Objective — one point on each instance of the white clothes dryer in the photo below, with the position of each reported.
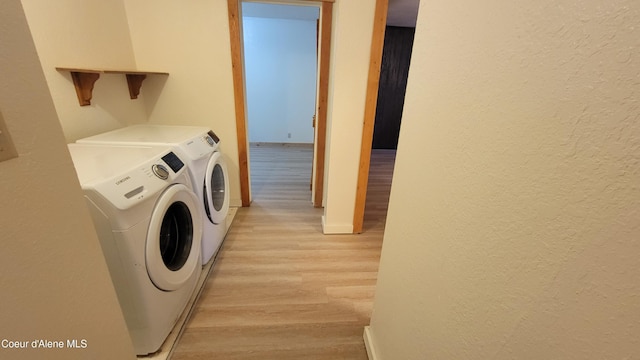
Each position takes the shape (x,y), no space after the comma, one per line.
(149,224)
(199,147)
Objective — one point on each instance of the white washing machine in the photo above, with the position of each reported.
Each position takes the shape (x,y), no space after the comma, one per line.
(149,224)
(198,146)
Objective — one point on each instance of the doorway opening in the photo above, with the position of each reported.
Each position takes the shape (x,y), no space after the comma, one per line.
(280,62)
(322,41)
(392,43)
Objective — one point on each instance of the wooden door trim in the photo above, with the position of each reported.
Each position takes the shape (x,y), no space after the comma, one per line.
(289,2)
(326,17)
(235,31)
(375,62)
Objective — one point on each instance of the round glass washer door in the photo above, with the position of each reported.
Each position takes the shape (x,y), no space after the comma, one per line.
(216,194)
(173,238)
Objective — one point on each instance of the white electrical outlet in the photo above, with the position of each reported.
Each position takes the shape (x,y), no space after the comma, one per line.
(7,149)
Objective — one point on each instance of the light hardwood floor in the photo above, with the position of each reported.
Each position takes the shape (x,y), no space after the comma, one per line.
(280,289)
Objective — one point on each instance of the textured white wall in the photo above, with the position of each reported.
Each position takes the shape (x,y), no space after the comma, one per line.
(350,53)
(86,34)
(514,220)
(280,69)
(55,283)
(190,40)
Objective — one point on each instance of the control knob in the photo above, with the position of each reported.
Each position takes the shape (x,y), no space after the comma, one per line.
(160,171)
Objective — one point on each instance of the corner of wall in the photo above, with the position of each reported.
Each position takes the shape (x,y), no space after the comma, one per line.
(372,354)
(350,55)
(335,228)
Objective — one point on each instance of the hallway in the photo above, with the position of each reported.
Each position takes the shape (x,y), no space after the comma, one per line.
(280,288)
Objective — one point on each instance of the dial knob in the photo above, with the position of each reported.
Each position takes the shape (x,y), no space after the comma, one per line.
(160,171)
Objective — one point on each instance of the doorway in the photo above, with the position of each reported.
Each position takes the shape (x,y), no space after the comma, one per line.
(396,56)
(279,43)
(317,120)
(400,18)
(280,62)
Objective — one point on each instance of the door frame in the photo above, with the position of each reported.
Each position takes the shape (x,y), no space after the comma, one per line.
(239,91)
(375,62)
(371,102)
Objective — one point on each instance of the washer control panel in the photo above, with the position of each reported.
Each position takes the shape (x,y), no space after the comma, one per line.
(160,171)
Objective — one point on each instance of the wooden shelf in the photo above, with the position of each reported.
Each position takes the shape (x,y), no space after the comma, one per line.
(84,80)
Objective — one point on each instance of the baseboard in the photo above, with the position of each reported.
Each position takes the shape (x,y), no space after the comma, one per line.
(235,202)
(229,219)
(336,228)
(369,345)
(283,144)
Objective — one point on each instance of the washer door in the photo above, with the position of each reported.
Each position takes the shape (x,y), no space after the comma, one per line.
(173,238)
(216,196)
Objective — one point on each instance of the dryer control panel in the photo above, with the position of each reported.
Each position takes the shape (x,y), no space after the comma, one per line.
(212,137)
(201,146)
(173,161)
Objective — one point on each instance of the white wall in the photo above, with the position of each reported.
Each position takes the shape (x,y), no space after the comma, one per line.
(280,68)
(86,34)
(55,283)
(350,53)
(513,227)
(190,40)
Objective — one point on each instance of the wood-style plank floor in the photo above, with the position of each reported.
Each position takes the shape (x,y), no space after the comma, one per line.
(280,289)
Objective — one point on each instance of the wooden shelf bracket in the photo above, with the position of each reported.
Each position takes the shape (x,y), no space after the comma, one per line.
(135,82)
(84,80)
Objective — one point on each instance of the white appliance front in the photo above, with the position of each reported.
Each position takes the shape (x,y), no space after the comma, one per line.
(198,146)
(149,224)
(170,252)
(216,196)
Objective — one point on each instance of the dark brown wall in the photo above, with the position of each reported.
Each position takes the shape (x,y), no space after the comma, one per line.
(396,56)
